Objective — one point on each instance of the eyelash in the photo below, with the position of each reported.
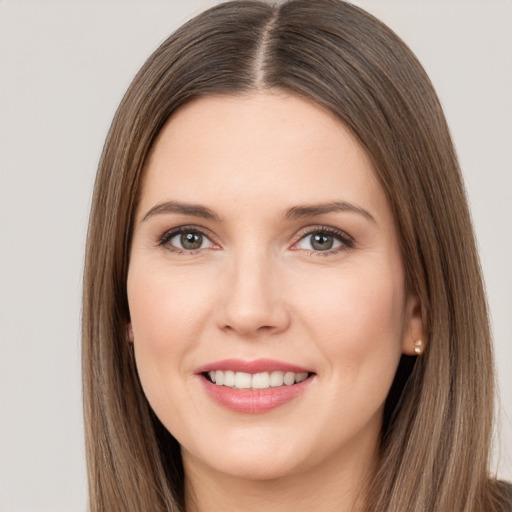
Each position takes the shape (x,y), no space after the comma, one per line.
(347,242)
(169,235)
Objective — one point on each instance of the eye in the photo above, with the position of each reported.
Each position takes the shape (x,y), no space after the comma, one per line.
(324,240)
(186,239)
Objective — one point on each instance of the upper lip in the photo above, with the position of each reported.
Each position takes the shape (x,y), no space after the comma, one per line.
(254,366)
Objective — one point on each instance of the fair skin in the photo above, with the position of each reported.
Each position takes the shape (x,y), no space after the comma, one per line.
(229,261)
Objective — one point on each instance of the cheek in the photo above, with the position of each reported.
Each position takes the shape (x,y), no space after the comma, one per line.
(357,319)
(358,328)
(165,305)
(168,311)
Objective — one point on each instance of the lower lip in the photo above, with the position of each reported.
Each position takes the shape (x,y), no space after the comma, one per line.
(254,401)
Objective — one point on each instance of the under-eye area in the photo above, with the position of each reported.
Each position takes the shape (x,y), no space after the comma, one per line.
(262,380)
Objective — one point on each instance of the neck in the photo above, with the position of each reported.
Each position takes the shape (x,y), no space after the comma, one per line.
(333,485)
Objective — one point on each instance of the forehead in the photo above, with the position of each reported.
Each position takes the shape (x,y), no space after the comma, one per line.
(266,145)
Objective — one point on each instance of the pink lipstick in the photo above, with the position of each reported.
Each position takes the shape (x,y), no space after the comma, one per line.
(253,387)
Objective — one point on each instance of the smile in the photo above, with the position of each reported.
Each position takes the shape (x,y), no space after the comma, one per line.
(254,387)
(263,380)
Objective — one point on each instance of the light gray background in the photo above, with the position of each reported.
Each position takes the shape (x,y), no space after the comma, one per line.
(64,66)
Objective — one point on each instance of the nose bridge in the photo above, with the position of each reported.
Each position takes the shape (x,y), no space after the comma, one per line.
(252,300)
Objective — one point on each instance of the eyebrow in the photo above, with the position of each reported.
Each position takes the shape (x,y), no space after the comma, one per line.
(312,210)
(296,212)
(194,210)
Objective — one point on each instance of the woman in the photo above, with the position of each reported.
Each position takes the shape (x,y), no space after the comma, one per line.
(283,306)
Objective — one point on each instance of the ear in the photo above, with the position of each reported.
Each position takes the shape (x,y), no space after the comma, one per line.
(129,329)
(413,341)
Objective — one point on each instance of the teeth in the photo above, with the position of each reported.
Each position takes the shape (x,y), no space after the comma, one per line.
(289,378)
(264,380)
(261,380)
(229,378)
(301,376)
(242,380)
(276,379)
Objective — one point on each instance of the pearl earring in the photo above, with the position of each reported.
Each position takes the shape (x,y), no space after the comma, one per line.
(418,347)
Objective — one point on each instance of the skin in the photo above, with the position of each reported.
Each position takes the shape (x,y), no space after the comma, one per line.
(257,288)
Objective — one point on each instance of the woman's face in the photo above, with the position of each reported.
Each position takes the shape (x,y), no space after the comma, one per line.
(264,253)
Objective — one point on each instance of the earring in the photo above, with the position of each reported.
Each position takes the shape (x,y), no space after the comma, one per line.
(418,347)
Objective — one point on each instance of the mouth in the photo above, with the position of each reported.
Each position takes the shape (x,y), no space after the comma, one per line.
(253,387)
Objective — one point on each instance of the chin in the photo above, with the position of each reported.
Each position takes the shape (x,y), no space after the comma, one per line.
(257,468)
(255,460)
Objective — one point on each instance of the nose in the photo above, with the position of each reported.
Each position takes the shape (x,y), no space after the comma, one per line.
(251,302)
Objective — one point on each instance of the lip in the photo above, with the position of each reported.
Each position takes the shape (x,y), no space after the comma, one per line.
(255,366)
(253,401)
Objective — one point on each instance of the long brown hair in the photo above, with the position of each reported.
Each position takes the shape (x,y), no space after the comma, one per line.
(438,419)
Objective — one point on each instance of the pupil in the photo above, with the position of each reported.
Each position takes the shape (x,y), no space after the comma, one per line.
(191,241)
(322,242)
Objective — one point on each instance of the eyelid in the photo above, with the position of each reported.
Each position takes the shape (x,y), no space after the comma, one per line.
(346,240)
(188,228)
